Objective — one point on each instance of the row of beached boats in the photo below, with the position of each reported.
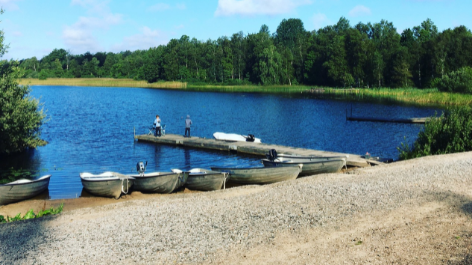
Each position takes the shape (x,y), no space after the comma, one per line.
(277,167)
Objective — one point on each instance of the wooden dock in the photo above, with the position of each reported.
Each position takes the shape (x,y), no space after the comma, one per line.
(259,149)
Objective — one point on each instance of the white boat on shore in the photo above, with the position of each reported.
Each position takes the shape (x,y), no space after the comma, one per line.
(233,137)
(107,184)
(205,179)
(23,189)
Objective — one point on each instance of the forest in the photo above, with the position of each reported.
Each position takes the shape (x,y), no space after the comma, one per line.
(340,55)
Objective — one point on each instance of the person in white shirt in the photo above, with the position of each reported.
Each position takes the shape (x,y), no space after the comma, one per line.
(157,125)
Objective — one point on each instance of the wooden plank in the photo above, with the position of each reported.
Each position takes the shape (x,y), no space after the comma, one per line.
(258,149)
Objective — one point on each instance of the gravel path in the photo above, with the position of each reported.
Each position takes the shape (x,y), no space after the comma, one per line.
(415,211)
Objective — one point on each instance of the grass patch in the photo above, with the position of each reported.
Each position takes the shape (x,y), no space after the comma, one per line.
(101,82)
(403,95)
(31,215)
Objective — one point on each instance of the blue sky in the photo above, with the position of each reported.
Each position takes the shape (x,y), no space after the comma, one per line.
(35,28)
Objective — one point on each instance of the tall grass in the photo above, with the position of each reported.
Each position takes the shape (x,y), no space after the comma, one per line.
(403,95)
(101,82)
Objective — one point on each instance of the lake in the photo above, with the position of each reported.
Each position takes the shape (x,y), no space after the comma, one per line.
(90,129)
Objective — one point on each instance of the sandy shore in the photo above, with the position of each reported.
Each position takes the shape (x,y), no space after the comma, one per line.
(415,212)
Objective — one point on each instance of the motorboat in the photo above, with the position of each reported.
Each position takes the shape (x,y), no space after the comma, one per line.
(156,182)
(233,137)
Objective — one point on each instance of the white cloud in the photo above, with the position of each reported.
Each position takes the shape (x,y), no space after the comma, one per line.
(80,36)
(159,7)
(9,5)
(17,33)
(181,6)
(359,10)
(146,39)
(257,7)
(320,20)
(93,6)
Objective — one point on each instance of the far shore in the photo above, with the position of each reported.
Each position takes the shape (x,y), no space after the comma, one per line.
(395,95)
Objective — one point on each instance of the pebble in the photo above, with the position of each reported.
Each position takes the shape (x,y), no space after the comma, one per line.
(201,227)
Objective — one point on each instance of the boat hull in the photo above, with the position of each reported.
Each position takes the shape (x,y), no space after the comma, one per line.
(156,182)
(232,137)
(107,184)
(18,190)
(263,175)
(310,167)
(205,180)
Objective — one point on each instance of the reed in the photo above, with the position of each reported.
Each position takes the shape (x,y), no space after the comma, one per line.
(403,95)
(101,82)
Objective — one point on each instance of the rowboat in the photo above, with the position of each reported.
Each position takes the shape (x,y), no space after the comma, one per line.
(306,157)
(23,189)
(233,137)
(157,182)
(205,179)
(274,156)
(260,175)
(310,167)
(107,184)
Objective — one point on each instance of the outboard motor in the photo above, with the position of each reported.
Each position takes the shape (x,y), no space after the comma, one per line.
(272,155)
(250,138)
(141,167)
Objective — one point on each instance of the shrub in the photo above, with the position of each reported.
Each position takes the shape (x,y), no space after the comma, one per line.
(450,133)
(20,119)
(457,81)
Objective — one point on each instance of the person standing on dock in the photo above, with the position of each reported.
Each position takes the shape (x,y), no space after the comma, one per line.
(188,122)
(157,124)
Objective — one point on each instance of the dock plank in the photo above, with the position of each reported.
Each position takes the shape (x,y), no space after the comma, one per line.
(258,149)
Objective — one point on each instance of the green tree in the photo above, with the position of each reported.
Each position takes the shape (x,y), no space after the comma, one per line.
(57,70)
(20,119)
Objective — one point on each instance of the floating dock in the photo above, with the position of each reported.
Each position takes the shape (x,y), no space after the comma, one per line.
(258,149)
(411,120)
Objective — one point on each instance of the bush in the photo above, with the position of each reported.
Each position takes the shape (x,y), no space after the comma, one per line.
(450,133)
(20,119)
(458,81)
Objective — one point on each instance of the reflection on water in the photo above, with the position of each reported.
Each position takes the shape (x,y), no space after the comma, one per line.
(90,129)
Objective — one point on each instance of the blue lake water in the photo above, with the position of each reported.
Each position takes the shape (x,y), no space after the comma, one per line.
(90,129)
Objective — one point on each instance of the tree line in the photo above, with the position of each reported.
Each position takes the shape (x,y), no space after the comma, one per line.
(340,55)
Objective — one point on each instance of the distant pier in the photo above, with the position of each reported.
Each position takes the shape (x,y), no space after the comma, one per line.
(373,119)
(259,149)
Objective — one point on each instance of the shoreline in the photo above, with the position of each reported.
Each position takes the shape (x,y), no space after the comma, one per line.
(410,96)
(416,211)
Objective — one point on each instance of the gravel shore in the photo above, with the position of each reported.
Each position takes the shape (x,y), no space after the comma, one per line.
(417,211)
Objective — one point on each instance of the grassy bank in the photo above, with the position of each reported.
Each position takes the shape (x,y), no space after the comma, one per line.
(101,82)
(403,95)
(398,95)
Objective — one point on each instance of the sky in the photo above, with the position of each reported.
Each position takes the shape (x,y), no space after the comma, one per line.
(36,27)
